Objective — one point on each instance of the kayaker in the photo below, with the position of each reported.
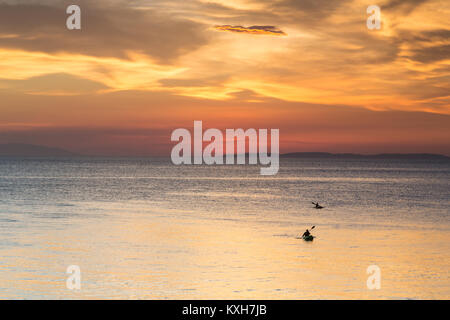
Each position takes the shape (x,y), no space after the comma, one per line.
(317,205)
(307,233)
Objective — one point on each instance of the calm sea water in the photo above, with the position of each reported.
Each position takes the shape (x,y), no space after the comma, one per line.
(145,229)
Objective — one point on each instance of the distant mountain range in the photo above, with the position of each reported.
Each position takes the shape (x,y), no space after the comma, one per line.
(31,150)
(401,156)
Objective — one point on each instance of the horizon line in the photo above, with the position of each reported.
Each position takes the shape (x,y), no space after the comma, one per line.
(69,153)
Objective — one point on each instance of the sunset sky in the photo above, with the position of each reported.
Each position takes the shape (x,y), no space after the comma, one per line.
(140,69)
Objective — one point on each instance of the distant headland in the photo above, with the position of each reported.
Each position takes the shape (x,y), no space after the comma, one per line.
(400,156)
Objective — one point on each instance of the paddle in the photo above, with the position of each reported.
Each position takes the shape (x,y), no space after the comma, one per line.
(311,228)
(317,206)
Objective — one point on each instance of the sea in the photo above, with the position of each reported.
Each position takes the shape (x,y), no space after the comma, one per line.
(143,228)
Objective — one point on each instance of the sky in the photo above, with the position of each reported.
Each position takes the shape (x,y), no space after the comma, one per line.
(137,70)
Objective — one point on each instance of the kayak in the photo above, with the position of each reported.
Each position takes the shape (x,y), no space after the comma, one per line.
(319,207)
(308,238)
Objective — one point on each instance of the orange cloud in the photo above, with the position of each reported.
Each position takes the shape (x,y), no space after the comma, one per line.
(268,30)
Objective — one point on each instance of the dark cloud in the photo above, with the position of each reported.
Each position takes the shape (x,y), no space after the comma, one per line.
(427,46)
(53,83)
(404,6)
(257,30)
(313,7)
(194,82)
(427,36)
(250,96)
(434,89)
(371,49)
(215,12)
(108,30)
(306,12)
(431,54)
